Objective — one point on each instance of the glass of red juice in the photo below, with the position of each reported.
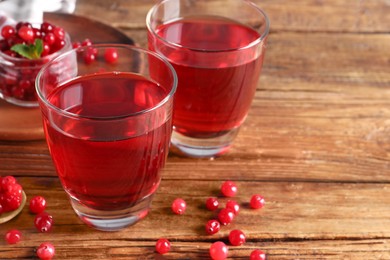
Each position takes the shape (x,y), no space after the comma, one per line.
(217,49)
(108,123)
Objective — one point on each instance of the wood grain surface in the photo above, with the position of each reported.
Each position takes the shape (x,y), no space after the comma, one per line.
(316,144)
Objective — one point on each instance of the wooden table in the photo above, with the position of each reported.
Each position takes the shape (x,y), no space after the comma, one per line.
(316,145)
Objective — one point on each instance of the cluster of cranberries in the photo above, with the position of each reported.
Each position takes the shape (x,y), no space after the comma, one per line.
(225,216)
(43,221)
(90,54)
(17,81)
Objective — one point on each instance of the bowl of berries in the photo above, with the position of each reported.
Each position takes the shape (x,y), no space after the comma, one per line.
(24,50)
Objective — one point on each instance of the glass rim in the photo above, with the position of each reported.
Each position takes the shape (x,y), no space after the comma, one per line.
(258,40)
(163,101)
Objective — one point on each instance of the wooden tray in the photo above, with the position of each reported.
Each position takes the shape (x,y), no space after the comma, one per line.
(22,124)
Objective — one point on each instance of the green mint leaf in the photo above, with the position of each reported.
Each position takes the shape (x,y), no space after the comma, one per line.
(29,51)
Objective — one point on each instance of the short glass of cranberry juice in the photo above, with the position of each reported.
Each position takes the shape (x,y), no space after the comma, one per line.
(108,121)
(217,49)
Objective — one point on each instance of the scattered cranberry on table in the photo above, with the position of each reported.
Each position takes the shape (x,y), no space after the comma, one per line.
(45,251)
(229,189)
(212,226)
(237,237)
(257,254)
(163,246)
(257,201)
(37,204)
(13,236)
(212,203)
(233,205)
(179,206)
(226,216)
(43,222)
(218,251)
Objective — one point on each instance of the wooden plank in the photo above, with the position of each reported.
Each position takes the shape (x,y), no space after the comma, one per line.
(301,15)
(300,219)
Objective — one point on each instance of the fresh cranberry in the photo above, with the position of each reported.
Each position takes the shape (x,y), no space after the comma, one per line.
(111,55)
(47,27)
(6,182)
(8,31)
(49,38)
(89,56)
(86,42)
(225,216)
(13,236)
(37,204)
(229,189)
(257,254)
(76,45)
(163,246)
(46,49)
(218,251)
(43,222)
(26,33)
(179,206)
(257,201)
(212,226)
(212,204)
(237,237)
(59,33)
(233,205)
(46,251)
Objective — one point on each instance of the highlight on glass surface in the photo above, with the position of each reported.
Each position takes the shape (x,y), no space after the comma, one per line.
(108,123)
(218,55)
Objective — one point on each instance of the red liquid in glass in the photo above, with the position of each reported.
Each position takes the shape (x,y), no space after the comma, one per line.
(97,165)
(217,81)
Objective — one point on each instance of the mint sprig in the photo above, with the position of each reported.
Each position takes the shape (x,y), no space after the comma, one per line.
(29,51)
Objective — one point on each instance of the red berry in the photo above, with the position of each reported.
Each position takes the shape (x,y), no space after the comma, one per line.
(226,216)
(26,33)
(49,38)
(8,31)
(257,254)
(212,226)
(257,201)
(75,45)
(13,236)
(6,181)
(37,204)
(43,222)
(218,251)
(86,42)
(46,251)
(212,204)
(59,33)
(236,237)
(46,27)
(163,246)
(233,205)
(89,56)
(179,206)
(111,55)
(229,189)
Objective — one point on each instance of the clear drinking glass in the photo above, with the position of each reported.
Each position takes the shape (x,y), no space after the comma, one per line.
(217,49)
(108,124)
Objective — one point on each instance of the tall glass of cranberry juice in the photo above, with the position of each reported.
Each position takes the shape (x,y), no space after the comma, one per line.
(217,50)
(108,124)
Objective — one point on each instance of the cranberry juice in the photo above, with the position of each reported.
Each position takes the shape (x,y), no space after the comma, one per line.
(113,162)
(217,72)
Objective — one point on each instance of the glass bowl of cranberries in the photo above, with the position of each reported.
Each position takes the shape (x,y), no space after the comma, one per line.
(24,49)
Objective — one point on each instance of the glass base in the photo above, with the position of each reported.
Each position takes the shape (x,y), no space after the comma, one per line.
(111,220)
(202,147)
